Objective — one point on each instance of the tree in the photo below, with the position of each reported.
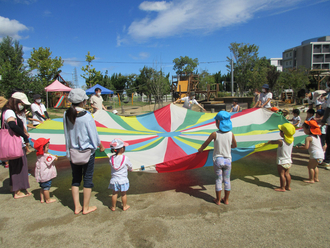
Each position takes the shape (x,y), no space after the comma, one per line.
(258,75)
(295,79)
(91,75)
(205,78)
(12,70)
(272,77)
(47,68)
(244,60)
(185,65)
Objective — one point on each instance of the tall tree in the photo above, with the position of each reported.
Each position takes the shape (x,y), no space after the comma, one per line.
(185,65)
(46,67)
(12,70)
(258,75)
(244,59)
(91,75)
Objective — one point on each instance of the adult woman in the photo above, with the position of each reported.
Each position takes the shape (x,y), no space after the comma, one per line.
(80,135)
(39,112)
(18,168)
(265,97)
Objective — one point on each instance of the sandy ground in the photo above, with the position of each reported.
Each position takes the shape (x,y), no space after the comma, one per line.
(175,209)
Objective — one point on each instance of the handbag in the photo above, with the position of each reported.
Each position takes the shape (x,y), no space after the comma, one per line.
(10,143)
(80,157)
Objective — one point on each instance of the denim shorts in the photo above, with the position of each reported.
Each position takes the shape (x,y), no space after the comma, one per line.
(46,185)
(119,187)
(85,172)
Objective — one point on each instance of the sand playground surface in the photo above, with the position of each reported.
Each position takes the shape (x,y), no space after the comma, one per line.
(175,209)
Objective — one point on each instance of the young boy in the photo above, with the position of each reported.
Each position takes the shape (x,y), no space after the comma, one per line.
(310,114)
(296,120)
(284,152)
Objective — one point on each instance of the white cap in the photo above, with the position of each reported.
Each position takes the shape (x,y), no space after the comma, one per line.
(117,143)
(77,96)
(21,96)
(114,112)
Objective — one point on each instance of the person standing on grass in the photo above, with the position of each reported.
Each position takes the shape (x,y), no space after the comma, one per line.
(284,152)
(97,101)
(81,134)
(224,140)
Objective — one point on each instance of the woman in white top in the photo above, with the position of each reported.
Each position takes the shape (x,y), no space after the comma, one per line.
(18,168)
(39,112)
(265,97)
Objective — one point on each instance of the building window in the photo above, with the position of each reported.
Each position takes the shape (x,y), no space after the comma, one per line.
(287,55)
(326,48)
(279,62)
(325,66)
(290,62)
(286,63)
(317,48)
(290,54)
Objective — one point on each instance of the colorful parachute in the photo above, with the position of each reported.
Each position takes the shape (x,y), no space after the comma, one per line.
(168,139)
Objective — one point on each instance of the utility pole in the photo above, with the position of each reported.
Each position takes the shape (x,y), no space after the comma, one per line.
(232,76)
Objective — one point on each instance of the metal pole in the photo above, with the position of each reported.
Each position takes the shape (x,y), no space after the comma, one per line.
(232,76)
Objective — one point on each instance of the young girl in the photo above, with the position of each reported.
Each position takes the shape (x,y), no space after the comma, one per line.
(235,107)
(119,166)
(284,152)
(313,144)
(224,140)
(45,169)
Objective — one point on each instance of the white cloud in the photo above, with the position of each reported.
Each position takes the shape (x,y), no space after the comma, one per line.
(47,13)
(11,28)
(72,61)
(141,56)
(183,16)
(27,49)
(154,6)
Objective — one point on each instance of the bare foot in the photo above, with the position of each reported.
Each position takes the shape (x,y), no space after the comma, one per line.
(308,181)
(288,189)
(89,210)
(279,190)
(51,200)
(112,208)
(21,195)
(216,201)
(316,180)
(78,210)
(126,207)
(223,201)
(42,201)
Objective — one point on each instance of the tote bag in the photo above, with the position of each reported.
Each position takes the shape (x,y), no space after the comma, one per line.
(10,143)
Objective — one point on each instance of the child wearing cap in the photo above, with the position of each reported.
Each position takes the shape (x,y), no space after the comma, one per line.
(224,140)
(45,169)
(119,166)
(189,101)
(235,107)
(313,144)
(284,152)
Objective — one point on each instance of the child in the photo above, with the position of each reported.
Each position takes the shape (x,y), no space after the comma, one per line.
(313,144)
(318,118)
(119,166)
(224,140)
(296,120)
(285,113)
(310,114)
(45,169)
(284,152)
(235,107)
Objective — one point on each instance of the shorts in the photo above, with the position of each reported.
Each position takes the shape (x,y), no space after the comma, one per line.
(286,166)
(119,187)
(46,185)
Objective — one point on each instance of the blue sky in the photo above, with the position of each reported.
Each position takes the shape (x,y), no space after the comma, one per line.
(126,35)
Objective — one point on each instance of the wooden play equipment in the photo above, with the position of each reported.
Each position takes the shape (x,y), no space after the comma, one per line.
(319,75)
(287,96)
(182,85)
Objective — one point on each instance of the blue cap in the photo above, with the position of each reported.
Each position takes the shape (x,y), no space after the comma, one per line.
(225,124)
(265,86)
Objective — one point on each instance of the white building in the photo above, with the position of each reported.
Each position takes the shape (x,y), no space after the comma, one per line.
(276,62)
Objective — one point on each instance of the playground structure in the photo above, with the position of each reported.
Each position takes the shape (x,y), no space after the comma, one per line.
(60,89)
(182,85)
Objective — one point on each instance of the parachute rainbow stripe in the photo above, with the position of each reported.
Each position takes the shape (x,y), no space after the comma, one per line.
(168,139)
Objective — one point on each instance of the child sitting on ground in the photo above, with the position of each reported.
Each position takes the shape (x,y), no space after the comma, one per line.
(284,152)
(296,120)
(310,114)
(224,140)
(235,107)
(45,169)
(119,166)
(313,144)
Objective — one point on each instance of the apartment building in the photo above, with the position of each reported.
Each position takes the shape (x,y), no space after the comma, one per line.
(312,54)
(276,62)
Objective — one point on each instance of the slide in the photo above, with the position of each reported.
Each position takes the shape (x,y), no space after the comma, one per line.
(59,102)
